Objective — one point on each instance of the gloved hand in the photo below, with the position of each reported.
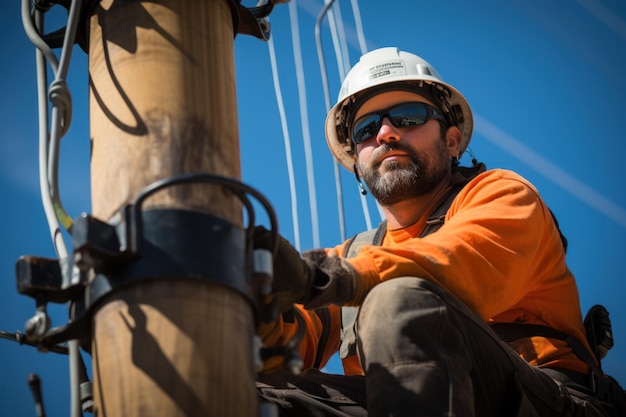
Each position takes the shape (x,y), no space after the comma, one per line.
(293,277)
(334,280)
(314,279)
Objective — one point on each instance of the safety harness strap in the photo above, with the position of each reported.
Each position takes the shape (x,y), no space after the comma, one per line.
(510,332)
(349,313)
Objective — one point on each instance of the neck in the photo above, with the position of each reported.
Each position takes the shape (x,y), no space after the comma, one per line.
(407,212)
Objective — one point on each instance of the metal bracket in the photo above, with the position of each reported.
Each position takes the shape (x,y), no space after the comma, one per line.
(49,280)
(246,20)
(172,244)
(139,245)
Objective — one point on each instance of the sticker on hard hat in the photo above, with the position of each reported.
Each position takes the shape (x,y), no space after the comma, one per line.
(389,68)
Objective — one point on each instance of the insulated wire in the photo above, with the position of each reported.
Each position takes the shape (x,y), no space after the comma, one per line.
(341,35)
(337,42)
(322,62)
(306,135)
(61,118)
(32,31)
(335,38)
(62,111)
(48,146)
(74,361)
(42,51)
(287,141)
(358,23)
(341,38)
(42,54)
(53,224)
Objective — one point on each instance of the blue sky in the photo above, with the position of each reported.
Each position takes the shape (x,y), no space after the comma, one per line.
(544,79)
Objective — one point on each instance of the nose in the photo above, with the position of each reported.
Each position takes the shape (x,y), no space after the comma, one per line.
(387,132)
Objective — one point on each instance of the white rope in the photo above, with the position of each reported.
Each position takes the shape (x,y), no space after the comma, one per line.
(287,141)
(306,137)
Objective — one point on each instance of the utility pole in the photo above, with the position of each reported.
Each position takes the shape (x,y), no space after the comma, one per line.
(164,285)
(163,104)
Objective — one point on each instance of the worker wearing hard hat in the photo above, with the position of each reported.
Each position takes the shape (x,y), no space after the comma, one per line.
(462,302)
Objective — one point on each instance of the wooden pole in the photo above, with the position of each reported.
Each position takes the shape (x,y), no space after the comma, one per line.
(163,103)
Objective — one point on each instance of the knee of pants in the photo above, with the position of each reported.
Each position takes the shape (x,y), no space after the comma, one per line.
(400,308)
(390,298)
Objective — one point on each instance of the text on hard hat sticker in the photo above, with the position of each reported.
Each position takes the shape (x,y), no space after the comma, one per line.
(388,68)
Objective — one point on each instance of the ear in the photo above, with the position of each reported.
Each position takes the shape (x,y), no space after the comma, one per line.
(453,141)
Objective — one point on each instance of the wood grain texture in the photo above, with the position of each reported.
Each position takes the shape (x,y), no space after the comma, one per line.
(163,103)
(160,352)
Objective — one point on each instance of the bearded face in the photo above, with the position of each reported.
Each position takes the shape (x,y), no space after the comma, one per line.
(393,181)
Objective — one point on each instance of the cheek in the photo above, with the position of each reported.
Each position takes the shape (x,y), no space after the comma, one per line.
(364,150)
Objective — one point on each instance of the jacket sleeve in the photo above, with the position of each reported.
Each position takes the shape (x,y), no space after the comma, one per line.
(498,241)
(320,341)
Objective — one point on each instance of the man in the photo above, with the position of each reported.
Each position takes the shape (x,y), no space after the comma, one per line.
(431,302)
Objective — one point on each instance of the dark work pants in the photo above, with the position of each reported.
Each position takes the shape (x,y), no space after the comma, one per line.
(425,354)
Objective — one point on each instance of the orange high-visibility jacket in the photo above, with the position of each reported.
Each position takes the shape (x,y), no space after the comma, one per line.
(499,251)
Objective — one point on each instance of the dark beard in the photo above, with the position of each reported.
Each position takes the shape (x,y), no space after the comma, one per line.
(422,174)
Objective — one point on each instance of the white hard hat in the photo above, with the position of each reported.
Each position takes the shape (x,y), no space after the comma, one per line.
(387,69)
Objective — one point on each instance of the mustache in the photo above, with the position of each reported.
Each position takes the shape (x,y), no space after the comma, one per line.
(381,152)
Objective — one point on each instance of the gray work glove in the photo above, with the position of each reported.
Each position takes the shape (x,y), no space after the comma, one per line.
(334,280)
(313,279)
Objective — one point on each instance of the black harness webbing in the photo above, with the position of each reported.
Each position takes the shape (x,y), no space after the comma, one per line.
(510,332)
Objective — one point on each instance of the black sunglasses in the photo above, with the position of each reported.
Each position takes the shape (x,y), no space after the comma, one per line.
(414,113)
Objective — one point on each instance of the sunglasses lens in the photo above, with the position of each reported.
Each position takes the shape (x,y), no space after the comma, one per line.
(402,115)
(408,115)
(365,128)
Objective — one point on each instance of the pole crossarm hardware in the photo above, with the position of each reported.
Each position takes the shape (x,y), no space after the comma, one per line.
(137,246)
(146,245)
(246,20)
